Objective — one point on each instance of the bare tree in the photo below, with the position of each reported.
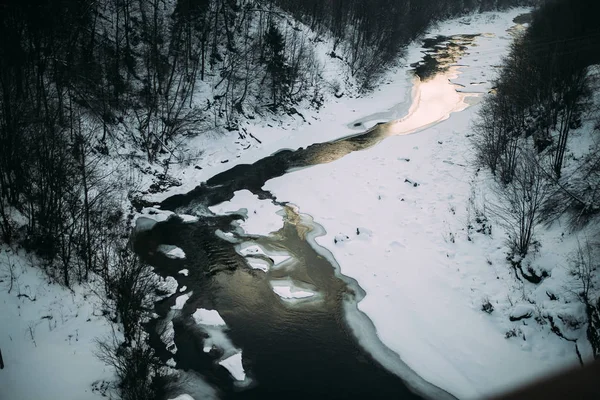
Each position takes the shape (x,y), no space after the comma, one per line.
(584,269)
(520,202)
(131,285)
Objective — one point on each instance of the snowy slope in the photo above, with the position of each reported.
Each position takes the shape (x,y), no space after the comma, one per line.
(47,336)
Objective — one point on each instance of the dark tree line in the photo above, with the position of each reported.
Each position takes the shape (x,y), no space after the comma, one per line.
(371,35)
(543,94)
(79,77)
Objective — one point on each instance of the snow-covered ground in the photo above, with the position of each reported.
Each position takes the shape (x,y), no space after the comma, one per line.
(47,336)
(403,209)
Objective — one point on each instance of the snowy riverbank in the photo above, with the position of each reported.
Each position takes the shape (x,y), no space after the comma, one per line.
(397,219)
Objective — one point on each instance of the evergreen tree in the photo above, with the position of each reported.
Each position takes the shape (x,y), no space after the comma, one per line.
(276,62)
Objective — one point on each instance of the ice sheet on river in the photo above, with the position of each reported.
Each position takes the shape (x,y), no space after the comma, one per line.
(233,364)
(180,301)
(290,291)
(170,251)
(257,256)
(258,263)
(262,216)
(213,325)
(202,316)
(423,279)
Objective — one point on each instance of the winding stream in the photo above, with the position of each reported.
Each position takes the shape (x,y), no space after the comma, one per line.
(303,348)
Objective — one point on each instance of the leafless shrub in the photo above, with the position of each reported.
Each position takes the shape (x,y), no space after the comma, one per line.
(130,286)
(584,268)
(135,366)
(578,194)
(519,206)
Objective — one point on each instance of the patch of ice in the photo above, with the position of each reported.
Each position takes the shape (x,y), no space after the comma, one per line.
(156,214)
(180,301)
(258,263)
(143,224)
(203,316)
(233,364)
(250,248)
(278,260)
(262,216)
(148,217)
(173,252)
(227,236)
(188,219)
(184,272)
(287,290)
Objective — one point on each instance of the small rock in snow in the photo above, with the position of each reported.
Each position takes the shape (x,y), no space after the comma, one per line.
(415,184)
(341,238)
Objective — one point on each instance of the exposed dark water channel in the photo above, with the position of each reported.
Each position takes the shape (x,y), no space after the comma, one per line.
(292,349)
(301,349)
(440,53)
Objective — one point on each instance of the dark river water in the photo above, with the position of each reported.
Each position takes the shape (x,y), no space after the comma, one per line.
(299,349)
